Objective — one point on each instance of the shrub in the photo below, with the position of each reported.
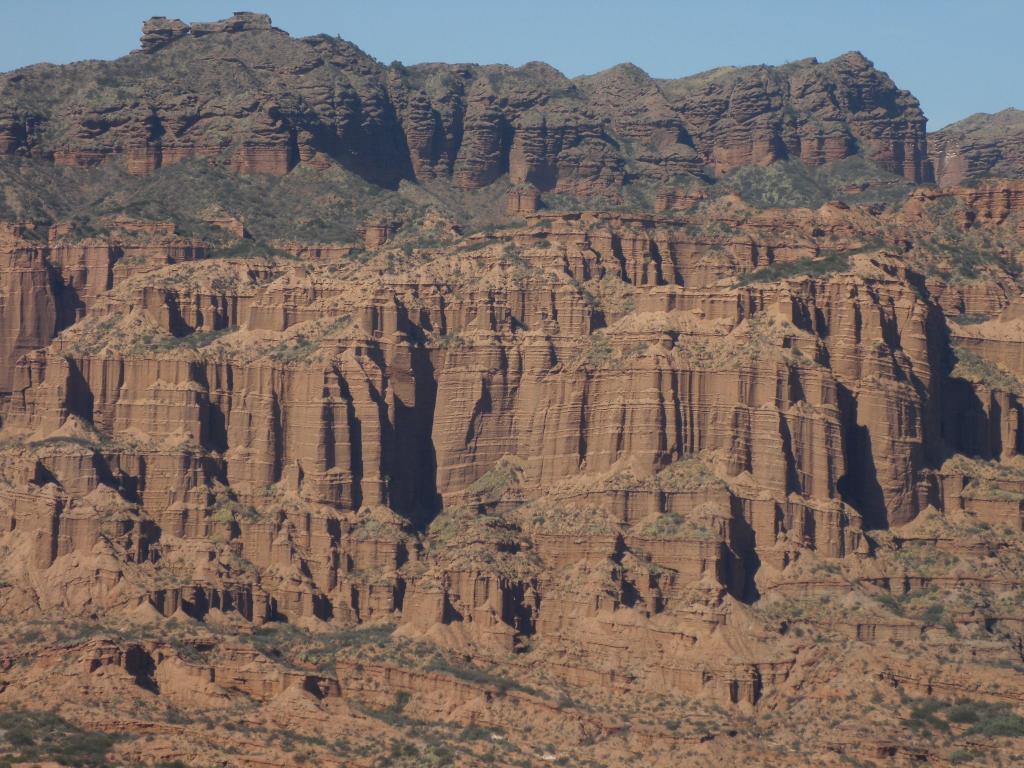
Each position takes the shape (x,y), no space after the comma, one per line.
(780,270)
(974,319)
(973,367)
(986,718)
(960,756)
(963,712)
(503,475)
(924,714)
(45,736)
(479,676)
(933,614)
(1000,723)
(600,351)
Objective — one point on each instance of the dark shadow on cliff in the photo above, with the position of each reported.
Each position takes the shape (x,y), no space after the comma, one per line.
(413,484)
(741,562)
(859,487)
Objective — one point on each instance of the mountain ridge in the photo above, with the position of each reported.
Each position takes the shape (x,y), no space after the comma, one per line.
(467,123)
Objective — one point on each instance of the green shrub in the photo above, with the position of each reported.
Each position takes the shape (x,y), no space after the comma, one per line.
(961,756)
(479,676)
(780,270)
(505,473)
(963,712)
(991,719)
(972,367)
(933,614)
(1001,722)
(971,319)
(45,736)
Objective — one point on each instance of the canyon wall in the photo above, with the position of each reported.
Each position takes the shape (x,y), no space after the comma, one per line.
(328,102)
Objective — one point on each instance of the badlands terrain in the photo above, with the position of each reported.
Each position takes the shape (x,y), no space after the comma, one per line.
(379,415)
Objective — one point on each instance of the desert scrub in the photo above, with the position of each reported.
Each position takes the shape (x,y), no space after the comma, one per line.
(611,295)
(78,442)
(465,524)
(792,184)
(975,718)
(297,349)
(760,337)
(830,263)
(687,475)
(449,341)
(984,472)
(29,736)
(675,527)
(226,510)
(249,249)
(291,644)
(506,472)
(598,352)
(971,319)
(474,675)
(378,524)
(922,558)
(337,324)
(972,367)
(194,340)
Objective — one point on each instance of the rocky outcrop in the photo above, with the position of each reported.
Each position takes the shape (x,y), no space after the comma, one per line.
(240,21)
(469,124)
(812,111)
(982,145)
(53,277)
(159,31)
(414,448)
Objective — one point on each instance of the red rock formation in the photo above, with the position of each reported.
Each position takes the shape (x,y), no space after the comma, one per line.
(583,484)
(468,123)
(979,146)
(521,200)
(159,31)
(736,115)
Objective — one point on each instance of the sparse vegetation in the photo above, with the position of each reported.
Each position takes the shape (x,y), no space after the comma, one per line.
(31,736)
(791,184)
(507,472)
(975,718)
(473,675)
(975,368)
(781,270)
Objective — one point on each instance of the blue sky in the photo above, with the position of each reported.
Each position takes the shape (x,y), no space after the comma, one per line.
(956,57)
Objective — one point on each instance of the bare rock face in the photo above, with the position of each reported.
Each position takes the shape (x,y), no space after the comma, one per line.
(240,21)
(522,199)
(981,145)
(354,414)
(816,112)
(159,31)
(330,103)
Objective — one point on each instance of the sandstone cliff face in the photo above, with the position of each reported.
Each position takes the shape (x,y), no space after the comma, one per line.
(979,146)
(815,112)
(814,404)
(822,394)
(52,277)
(328,102)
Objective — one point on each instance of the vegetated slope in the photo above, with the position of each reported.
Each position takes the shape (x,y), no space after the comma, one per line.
(355,441)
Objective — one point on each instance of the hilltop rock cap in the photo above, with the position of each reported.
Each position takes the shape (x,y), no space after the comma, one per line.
(241,21)
(159,31)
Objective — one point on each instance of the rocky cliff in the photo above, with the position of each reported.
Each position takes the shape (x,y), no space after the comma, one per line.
(473,415)
(978,147)
(252,97)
